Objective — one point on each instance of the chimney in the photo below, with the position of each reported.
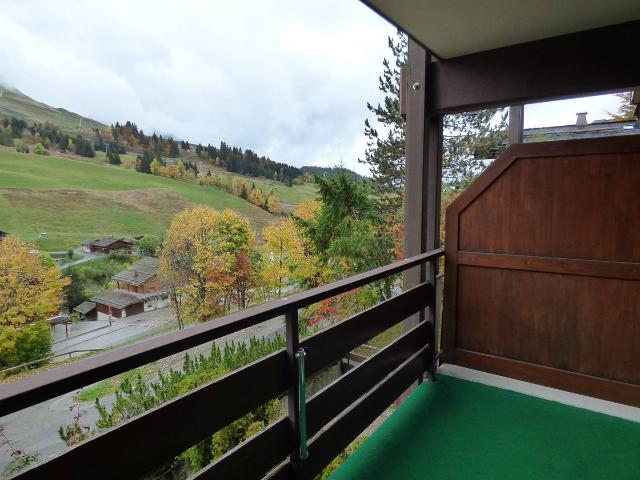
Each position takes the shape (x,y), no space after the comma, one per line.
(581,118)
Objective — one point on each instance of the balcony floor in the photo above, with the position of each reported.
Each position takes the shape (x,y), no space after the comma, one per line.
(458,429)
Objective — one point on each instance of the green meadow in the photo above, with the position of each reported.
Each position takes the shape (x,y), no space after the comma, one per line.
(74,200)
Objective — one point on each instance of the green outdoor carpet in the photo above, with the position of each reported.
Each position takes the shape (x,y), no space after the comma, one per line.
(456,429)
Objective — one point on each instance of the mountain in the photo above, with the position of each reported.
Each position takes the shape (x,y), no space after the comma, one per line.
(14,103)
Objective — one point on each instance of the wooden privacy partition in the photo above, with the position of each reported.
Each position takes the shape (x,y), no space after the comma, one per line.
(542,278)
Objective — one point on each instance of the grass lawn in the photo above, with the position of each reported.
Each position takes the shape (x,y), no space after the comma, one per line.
(380,341)
(105,387)
(96,274)
(75,200)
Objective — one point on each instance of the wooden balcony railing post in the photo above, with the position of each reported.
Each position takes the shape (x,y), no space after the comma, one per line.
(293,394)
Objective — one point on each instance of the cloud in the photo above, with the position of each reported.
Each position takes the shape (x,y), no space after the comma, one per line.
(288,79)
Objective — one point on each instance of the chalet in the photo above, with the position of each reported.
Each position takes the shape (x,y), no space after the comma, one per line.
(110,244)
(582,129)
(137,290)
(576,131)
(141,277)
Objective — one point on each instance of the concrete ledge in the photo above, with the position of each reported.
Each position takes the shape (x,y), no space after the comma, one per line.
(581,401)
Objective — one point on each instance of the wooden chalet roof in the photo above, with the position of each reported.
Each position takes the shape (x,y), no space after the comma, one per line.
(140,272)
(599,128)
(85,307)
(119,298)
(105,242)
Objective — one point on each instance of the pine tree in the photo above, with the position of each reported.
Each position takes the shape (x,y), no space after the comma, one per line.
(143,162)
(468,137)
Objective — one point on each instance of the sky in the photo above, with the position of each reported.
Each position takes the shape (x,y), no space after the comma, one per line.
(289,79)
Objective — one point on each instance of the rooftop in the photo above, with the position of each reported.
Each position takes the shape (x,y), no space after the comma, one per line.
(105,242)
(85,307)
(598,128)
(119,298)
(140,272)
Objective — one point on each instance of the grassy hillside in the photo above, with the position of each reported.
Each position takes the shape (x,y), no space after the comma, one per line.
(14,103)
(73,200)
(289,196)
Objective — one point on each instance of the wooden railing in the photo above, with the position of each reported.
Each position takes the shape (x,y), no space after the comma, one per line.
(335,416)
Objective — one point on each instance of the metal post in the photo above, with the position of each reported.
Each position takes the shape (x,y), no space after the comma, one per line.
(302,404)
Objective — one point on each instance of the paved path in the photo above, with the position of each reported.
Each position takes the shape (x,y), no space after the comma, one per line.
(86,257)
(99,335)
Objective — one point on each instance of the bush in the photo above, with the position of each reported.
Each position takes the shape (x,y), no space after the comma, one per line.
(39,149)
(113,157)
(129,163)
(84,147)
(21,147)
(31,342)
(149,246)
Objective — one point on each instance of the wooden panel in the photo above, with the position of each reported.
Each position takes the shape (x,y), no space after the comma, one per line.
(552,377)
(587,325)
(572,266)
(555,207)
(543,268)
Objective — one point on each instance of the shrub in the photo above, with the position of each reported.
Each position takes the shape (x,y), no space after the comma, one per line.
(84,147)
(32,342)
(129,163)
(149,246)
(113,158)
(21,147)
(39,149)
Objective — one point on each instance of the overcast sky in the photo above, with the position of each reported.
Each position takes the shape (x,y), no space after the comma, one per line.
(288,78)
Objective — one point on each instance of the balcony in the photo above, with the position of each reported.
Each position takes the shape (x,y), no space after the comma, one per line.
(542,293)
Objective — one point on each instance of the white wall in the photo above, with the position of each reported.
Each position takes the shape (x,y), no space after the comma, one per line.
(155,303)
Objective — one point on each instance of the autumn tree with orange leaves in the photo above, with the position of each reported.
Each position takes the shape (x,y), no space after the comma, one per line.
(30,293)
(197,262)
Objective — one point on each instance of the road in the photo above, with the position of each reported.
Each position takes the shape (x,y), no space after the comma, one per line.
(99,335)
(86,257)
(35,429)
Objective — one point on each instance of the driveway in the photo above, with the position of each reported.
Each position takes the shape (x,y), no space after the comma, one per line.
(86,257)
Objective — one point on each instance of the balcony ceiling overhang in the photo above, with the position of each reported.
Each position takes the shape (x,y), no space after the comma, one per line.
(455,28)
